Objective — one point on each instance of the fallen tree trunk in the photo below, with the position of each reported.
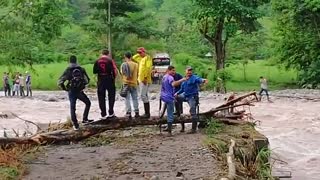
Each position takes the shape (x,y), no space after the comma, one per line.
(123,122)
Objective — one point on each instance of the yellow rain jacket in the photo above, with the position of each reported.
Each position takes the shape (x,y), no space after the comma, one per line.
(145,67)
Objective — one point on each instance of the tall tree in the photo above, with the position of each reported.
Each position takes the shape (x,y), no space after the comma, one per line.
(27,27)
(219,20)
(126,18)
(298,37)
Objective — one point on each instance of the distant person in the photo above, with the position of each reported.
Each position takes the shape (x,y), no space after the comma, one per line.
(28,84)
(6,84)
(129,72)
(77,79)
(22,85)
(144,77)
(167,94)
(16,85)
(264,88)
(189,92)
(106,71)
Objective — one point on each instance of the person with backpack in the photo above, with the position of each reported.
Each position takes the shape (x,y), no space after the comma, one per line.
(129,72)
(77,79)
(106,70)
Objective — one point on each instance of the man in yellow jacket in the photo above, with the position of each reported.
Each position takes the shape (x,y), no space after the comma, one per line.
(144,77)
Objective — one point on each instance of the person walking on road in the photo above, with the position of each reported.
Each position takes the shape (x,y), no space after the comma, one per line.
(77,79)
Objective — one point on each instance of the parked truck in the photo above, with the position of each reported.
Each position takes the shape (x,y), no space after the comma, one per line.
(160,62)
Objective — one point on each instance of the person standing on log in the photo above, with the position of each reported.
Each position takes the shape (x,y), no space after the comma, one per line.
(144,77)
(178,104)
(189,92)
(264,88)
(129,72)
(77,79)
(106,70)
(167,94)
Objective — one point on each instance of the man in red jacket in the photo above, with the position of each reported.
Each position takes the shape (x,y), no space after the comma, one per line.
(106,70)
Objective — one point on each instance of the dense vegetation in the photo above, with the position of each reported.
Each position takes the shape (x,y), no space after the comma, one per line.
(246,39)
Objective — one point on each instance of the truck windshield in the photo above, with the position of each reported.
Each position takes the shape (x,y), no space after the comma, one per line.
(161,62)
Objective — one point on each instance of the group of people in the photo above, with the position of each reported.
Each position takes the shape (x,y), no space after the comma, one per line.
(17,85)
(106,71)
(135,71)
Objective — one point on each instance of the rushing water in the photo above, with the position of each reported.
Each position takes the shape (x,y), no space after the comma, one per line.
(291,125)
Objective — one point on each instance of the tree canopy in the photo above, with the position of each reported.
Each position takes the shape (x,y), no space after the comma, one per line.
(41,31)
(298,32)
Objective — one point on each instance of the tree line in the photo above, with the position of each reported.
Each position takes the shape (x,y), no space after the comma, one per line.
(285,32)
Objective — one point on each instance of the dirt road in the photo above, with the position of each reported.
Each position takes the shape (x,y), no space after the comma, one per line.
(134,158)
(291,124)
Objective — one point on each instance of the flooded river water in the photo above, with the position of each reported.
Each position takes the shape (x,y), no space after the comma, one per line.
(292,125)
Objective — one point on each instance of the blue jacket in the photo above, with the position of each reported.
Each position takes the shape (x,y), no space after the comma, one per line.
(190,87)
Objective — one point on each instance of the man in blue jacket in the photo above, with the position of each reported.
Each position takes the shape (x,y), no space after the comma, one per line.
(189,92)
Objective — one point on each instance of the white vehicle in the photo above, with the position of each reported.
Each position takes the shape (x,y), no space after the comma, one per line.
(160,62)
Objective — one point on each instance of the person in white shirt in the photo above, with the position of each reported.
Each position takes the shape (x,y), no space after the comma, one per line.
(264,87)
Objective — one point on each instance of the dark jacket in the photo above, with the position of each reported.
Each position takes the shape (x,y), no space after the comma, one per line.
(105,68)
(67,75)
(177,77)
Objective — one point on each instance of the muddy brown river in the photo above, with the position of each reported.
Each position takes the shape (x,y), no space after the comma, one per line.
(292,125)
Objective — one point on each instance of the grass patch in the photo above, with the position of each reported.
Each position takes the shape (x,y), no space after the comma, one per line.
(279,78)
(214,127)
(13,158)
(250,164)
(45,76)
(98,140)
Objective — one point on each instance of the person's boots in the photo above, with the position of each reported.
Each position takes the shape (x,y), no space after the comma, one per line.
(128,115)
(182,127)
(146,110)
(194,128)
(169,129)
(136,115)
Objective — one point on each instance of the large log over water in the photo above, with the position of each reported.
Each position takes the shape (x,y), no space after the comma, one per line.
(123,122)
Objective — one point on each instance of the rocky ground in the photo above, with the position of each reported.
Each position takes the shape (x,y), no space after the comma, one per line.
(291,123)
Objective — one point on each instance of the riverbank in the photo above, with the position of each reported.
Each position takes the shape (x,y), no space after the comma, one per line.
(291,122)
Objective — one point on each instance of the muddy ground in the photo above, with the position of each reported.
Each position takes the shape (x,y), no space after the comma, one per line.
(135,157)
(291,123)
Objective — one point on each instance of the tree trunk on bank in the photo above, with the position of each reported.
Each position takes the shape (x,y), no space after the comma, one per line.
(219,45)
(97,127)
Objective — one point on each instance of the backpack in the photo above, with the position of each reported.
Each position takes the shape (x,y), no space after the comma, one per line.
(77,81)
